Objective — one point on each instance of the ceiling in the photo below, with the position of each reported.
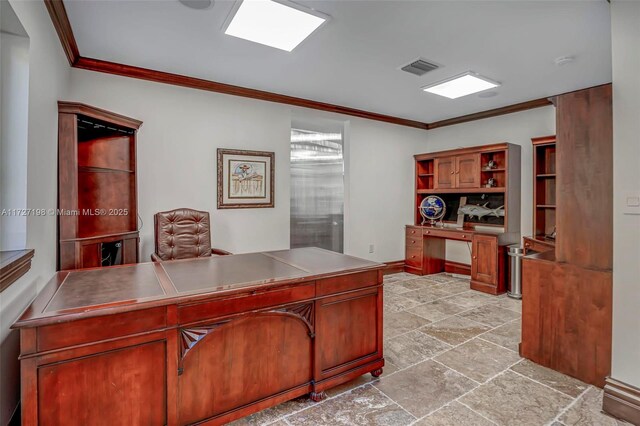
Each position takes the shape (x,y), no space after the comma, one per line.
(353,60)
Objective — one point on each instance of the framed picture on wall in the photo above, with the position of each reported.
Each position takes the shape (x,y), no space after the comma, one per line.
(245,179)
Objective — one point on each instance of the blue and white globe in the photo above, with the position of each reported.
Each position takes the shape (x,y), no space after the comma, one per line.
(432,208)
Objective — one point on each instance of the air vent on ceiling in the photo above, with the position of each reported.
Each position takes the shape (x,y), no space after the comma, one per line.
(419,67)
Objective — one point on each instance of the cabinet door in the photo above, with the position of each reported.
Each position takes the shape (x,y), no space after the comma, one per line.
(484,259)
(348,331)
(444,173)
(467,171)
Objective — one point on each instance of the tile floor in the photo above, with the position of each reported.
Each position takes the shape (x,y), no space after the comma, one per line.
(451,359)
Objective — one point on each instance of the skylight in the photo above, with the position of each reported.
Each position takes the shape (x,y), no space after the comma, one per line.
(461,85)
(278,24)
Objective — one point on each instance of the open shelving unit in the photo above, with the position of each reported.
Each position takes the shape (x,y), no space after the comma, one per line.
(544,187)
(97,183)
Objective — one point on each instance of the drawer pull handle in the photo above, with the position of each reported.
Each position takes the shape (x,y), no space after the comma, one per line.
(464,236)
(428,232)
(475,257)
(413,257)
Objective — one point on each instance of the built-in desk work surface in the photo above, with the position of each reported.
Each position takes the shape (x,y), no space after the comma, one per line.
(203,341)
(425,253)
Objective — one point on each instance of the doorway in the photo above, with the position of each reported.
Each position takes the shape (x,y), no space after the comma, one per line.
(317,187)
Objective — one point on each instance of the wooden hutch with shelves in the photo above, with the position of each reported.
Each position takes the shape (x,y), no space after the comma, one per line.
(567,288)
(544,195)
(97,197)
(484,175)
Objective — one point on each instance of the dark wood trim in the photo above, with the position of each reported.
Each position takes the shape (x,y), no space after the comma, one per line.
(457,268)
(13,265)
(621,400)
(61,23)
(522,106)
(228,89)
(393,267)
(98,113)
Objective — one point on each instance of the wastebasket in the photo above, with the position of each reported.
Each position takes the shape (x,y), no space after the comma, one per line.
(515,271)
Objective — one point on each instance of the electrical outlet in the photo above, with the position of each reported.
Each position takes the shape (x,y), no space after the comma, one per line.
(372,248)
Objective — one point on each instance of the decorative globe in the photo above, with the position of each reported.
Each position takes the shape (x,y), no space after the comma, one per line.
(432,208)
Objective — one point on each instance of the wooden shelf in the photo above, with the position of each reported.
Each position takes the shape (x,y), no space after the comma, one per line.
(500,169)
(546,175)
(89,169)
(460,190)
(425,174)
(546,206)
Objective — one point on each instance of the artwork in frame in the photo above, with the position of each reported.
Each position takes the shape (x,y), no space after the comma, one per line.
(245,179)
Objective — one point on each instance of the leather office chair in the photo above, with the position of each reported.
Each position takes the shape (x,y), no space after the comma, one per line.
(183,234)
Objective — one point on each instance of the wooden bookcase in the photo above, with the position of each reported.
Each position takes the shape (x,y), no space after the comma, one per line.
(467,171)
(97,197)
(544,187)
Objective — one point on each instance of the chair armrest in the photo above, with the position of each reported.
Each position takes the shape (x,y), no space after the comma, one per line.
(219,252)
(155,258)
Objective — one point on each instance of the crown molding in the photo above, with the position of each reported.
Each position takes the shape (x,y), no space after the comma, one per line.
(61,23)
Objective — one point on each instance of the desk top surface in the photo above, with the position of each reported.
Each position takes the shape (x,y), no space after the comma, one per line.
(90,292)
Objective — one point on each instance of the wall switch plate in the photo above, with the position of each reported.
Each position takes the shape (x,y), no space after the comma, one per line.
(371,248)
(632,203)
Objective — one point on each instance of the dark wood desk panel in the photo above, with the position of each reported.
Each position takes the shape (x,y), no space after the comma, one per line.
(99,287)
(262,335)
(224,273)
(319,261)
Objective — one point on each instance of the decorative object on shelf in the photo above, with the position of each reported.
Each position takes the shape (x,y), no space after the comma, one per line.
(491,165)
(245,179)
(480,211)
(432,208)
(491,182)
(552,235)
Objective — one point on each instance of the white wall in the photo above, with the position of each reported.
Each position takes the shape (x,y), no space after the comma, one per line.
(48,82)
(625,16)
(14,86)
(182,128)
(517,129)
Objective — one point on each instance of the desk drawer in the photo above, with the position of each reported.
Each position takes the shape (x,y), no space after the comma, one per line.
(413,243)
(450,235)
(346,282)
(413,257)
(413,232)
(244,302)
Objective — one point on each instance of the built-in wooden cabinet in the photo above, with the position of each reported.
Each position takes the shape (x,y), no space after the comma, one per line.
(484,174)
(97,196)
(445,169)
(567,292)
(488,176)
(487,264)
(544,188)
(467,171)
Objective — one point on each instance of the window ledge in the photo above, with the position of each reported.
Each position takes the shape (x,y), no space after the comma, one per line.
(13,265)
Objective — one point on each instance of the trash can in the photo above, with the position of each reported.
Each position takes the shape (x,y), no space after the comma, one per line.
(515,271)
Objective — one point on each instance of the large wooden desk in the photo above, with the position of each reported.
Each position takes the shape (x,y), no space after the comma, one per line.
(207,340)
(425,254)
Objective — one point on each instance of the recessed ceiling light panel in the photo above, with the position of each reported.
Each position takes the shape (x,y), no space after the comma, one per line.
(461,85)
(280,24)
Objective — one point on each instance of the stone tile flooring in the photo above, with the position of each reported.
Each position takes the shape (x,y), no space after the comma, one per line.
(451,359)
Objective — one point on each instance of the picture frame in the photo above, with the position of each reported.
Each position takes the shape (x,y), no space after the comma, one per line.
(246,179)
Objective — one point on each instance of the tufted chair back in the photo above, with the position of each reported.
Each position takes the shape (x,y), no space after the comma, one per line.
(182,234)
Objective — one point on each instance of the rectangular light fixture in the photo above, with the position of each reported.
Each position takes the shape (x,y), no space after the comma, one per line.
(461,85)
(280,24)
